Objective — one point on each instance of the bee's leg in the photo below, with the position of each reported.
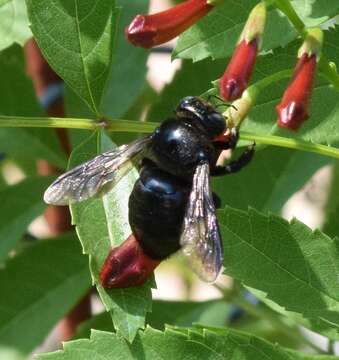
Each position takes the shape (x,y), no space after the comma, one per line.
(236,165)
(231,143)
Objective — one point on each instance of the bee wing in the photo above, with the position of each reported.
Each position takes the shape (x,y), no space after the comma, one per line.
(200,238)
(94,176)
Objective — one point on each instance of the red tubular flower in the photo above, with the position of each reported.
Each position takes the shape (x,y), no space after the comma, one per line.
(293,108)
(126,265)
(151,30)
(239,70)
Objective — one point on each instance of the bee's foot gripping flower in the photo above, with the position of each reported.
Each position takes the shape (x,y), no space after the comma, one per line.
(293,108)
(151,30)
(239,70)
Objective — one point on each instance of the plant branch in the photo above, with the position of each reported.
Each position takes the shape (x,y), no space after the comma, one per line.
(257,87)
(286,7)
(130,126)
(76,123)
(291,143)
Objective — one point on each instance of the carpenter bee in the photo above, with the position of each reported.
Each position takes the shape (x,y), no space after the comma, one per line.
(171,205)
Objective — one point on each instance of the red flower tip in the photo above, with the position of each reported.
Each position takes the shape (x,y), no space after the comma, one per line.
(292,115)
(151,30)
(126,265)
(139,33)
(293,108)
(239,70)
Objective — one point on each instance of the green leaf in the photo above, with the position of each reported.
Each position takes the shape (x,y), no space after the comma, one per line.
(3,182)
(77,38)
(41,285)
(265,329)
(186,313)
(178,313)
(216,34)
(316,324)
(18,98)
(330,41)
(101,224)
(143,103)
(124,76)
(13,23)
(232,344)
(278,174)
(316,12)
(27,198)
(294,266)
(209,344)
(27,165)
(127,77)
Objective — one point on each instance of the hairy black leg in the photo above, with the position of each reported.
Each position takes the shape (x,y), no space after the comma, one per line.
(236,165)
(235,137)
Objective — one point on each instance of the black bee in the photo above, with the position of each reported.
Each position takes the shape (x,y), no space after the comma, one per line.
(171,205)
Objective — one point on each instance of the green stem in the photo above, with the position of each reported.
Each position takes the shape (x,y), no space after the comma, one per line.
(130,126)
(44,122)
(325,66)
(257,87)
(75,123)
(286,7)
(291,144)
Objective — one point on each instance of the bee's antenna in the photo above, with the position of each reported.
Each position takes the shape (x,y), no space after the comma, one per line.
(224,103)
(215,96)
(219,98)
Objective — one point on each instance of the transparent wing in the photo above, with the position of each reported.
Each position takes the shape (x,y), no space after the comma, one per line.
(200,238)
(94,176)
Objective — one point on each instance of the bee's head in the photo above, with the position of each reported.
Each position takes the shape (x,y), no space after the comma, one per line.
(197,109)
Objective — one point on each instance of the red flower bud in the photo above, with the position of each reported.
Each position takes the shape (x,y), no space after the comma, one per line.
(293,108)
(126,265)
(239,70)
(151,30)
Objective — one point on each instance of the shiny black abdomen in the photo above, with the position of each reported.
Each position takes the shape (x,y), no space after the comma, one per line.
(178,147)
(156,210)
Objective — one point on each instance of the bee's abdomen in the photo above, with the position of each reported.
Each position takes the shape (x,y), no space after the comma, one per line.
(156,211)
